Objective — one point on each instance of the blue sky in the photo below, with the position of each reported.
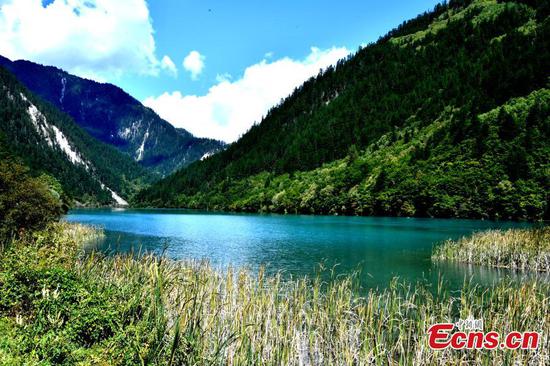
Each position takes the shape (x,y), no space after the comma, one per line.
(242,56)
(236,34)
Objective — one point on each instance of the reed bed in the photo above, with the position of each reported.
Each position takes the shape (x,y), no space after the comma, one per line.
(151,310)
(521,249)
(234,318)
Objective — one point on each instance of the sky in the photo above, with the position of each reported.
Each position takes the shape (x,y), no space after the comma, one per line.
(211,67)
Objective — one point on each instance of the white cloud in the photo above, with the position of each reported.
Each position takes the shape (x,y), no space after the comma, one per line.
(194,63)
(98,38)
(230,108)
(167,64)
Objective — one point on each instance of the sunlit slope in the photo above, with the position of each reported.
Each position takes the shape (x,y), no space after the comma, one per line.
(418,108)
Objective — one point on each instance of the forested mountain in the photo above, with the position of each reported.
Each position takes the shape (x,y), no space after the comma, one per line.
(35,133)
(112,116)
(445,116)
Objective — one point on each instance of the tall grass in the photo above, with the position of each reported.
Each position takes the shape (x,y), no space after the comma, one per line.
(236,318)
(152,310)
(524,249)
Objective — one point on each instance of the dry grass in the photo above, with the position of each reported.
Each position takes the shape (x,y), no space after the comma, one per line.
(524,249)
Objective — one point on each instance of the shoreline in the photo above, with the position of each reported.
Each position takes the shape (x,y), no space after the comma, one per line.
(268,213)
(120,309)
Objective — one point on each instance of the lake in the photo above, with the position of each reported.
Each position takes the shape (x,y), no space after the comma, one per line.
(380,247)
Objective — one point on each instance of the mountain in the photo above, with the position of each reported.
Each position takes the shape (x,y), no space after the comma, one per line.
(50,142)
(112,116)
(445,116)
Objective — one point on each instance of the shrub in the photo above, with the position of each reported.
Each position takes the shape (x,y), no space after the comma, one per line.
(26,203)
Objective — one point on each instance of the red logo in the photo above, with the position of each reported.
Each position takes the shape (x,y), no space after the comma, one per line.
(442,335)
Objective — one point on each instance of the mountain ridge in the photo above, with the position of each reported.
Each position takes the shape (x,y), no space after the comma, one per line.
(463,59)
(48,141)
(112,116)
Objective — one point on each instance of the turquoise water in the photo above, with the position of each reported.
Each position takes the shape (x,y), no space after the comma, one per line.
(381,248)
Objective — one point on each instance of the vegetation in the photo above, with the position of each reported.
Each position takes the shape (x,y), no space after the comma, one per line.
(525,249)
(434,119)
(445,125)
(26,203)
(20,139)
(450,168)
(61,307)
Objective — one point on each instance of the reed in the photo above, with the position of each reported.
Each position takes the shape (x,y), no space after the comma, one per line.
(210,317)
(522,249)
(151,310)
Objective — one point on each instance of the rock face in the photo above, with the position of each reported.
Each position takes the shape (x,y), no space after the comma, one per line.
(112,116)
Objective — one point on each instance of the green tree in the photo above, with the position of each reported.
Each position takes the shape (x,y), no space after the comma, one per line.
(26,203)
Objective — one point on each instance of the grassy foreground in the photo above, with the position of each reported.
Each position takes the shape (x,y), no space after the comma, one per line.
(525,249)
(59,306)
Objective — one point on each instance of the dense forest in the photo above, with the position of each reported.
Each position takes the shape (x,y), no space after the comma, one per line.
(494,166)
(37,146)
(445,116)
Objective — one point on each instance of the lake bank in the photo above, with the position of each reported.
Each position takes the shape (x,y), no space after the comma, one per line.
(63,306)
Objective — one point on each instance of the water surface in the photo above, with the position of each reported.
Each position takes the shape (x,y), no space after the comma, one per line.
(380,247)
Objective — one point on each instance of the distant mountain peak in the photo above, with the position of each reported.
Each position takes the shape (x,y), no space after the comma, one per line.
(48,141)
(112,116)
(55,138)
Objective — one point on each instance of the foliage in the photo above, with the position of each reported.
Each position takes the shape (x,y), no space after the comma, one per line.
(525,249)
(437,74)
(26,203)
(491,165)
(60,307)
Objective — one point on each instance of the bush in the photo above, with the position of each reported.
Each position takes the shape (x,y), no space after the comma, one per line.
(26,203)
